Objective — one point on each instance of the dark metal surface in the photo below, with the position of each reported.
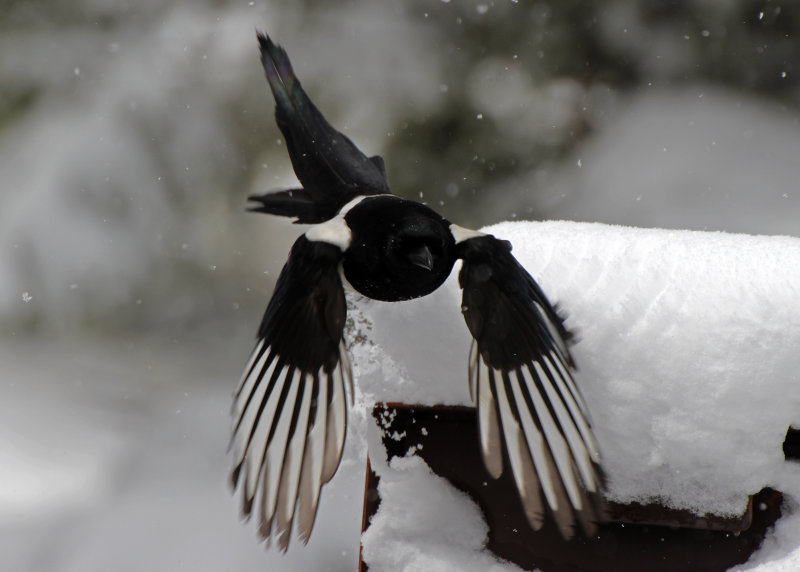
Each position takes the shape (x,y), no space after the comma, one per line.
(791,445)
(639,537)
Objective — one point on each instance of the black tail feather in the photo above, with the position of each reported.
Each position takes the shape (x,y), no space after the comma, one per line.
(292,203)
(331,169)
(284,84)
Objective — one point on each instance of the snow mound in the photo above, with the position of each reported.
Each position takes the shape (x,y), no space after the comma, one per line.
(687,354)
(450,540)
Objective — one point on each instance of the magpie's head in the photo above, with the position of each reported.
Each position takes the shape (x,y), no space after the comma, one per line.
(415,248)
(400,249)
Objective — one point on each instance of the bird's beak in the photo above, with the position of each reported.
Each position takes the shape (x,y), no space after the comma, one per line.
(421,257)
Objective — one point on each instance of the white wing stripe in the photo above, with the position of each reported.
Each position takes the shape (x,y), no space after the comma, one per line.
(247,417)
(248,402)
(311,479)
(558,341)
(488,423)
(472,369)
(248,385)
(553,435)
(548,430)
(341,381)
(256,435)
(512,435)
(293,461)
(276,449)
(569,382)
(567,421)
(346,370)
(536,449)
(336,423)
(249,367)
(578,416)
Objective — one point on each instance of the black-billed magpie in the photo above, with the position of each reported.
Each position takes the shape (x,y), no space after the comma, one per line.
(290,406)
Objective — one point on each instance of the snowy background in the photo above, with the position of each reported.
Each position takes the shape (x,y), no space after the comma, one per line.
(132,282)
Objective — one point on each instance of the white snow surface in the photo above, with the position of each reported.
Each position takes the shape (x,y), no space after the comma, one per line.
(688,360)
(451,540)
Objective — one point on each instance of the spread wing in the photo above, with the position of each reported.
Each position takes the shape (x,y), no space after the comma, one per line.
(528,403)
(289,407)
(330,167)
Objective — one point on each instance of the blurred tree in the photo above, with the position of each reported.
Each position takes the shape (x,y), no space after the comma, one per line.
(567,62)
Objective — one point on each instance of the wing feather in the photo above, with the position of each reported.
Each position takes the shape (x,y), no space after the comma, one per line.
(273,460)
(519,371)
(512,435)
(313,461)
(265,408)
(488,424)
(337,421)
(290,407)
(293,462)
(537,403)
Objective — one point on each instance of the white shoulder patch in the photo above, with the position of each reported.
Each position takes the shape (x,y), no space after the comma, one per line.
(343,211)
(460,234)
(334,231)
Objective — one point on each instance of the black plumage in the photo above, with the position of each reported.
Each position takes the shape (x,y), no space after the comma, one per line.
(330,167)
(400,249)
(290,406)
